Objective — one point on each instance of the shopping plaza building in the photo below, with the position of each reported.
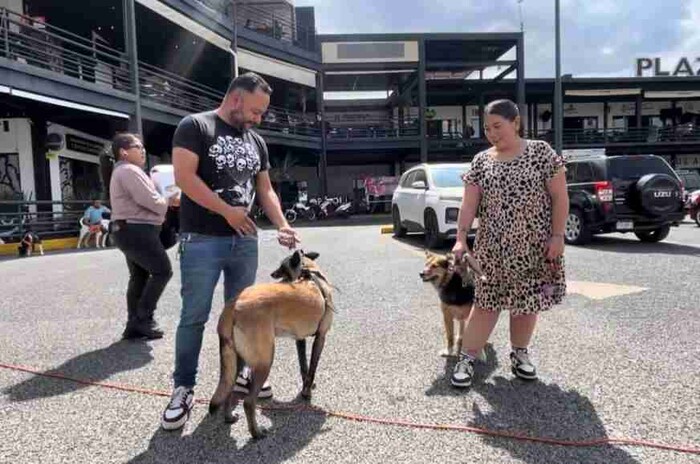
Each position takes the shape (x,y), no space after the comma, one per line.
(74,73)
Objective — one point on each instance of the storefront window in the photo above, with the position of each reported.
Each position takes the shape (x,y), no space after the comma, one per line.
(80,180)
(10,185)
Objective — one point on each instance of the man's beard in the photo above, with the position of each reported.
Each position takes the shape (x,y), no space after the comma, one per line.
(238,121)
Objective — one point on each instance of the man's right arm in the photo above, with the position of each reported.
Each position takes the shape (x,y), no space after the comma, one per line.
(185,163)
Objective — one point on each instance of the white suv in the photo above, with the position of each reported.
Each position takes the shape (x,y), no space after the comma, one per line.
(427,199)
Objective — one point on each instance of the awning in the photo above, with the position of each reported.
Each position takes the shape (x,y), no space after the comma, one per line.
(246,59)
(63,103)
(601,92)
(670,94)
(272,67)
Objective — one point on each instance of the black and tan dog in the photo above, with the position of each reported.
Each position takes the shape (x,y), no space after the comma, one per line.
(299,307)
(454,282)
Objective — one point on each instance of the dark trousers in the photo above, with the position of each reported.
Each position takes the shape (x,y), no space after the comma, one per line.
(149,269)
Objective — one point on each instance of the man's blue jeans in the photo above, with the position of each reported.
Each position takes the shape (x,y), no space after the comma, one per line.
(202,260)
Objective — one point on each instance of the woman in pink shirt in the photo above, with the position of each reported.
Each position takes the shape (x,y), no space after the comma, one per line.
(138,212)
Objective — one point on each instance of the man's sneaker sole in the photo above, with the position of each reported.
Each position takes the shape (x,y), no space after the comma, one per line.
(265,393)
(461,384)
(522,375)
(177,424)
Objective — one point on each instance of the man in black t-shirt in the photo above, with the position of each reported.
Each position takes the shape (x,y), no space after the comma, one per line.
(221,166)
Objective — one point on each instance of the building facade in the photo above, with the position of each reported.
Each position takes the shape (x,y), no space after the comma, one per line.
(74,73)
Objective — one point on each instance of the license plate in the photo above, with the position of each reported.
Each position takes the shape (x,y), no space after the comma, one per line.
(624,225)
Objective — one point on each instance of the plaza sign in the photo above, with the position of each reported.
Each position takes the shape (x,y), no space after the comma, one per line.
(652,67)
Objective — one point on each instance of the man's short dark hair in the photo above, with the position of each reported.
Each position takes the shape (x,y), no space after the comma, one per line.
(250,82)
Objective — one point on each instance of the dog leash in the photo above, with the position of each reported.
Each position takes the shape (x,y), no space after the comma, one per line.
(316,277)
(380,421)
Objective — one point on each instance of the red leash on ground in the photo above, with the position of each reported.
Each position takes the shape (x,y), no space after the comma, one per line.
(376,420)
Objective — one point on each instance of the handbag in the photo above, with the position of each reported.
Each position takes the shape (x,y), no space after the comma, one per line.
(170,230)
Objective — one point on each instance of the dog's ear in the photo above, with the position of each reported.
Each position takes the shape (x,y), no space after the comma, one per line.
(312,255)
(428,254)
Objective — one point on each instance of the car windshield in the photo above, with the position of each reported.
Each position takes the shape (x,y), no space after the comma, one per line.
(448,177)
(691,180)
(635,167)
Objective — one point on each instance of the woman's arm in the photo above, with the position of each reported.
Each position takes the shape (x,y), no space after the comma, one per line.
(467,212)
(560,202)
(560,211)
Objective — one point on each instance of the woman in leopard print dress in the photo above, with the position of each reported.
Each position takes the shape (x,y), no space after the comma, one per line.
(518,190)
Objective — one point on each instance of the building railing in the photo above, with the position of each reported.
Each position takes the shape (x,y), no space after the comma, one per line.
(291,122)
(26,40)
(273,24)
(48,219)
(169,89)
(681,133)
(375,129)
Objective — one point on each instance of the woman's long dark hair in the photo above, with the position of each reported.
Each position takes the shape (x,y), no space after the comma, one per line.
(107,160)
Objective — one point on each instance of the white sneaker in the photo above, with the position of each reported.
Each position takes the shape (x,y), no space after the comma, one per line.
(463,372)
(521,365)
(178,411)
(243,381)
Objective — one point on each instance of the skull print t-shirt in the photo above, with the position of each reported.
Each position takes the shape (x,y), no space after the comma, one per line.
(229,160)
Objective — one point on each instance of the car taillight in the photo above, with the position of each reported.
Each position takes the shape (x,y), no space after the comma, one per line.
(604,191)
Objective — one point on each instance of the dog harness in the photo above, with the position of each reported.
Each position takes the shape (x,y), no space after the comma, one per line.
(316,277)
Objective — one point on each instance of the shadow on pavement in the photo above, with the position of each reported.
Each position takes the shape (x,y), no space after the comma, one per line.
(211,442)
(547,411)
(96,365)
(634,246)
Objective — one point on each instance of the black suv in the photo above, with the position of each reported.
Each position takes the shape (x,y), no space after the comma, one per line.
(632,193)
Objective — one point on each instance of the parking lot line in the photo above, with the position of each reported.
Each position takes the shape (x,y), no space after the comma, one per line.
(592,290)
(600,290)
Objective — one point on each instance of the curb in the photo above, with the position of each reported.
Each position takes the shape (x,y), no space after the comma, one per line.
(49,245)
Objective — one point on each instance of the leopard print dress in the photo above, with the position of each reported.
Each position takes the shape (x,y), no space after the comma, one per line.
(515,224)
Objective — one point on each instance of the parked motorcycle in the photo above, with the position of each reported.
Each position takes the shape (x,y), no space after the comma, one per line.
(300,210)
(344,211)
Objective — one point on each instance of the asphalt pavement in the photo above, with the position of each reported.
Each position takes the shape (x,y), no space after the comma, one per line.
(619,359)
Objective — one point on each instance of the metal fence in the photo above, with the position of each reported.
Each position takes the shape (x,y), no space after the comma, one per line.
(48,219)
(279,119)
(175,91)
(374,129)
(681,133)
(36,43)
(275,23)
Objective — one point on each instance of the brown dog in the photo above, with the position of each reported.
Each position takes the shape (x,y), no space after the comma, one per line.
(298,307)
(454,282)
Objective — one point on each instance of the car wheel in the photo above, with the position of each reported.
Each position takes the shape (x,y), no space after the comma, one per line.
(433,239)
(576,232)
(399,230)
(653,236)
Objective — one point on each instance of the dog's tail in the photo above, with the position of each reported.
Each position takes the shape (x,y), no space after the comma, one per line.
(229,358)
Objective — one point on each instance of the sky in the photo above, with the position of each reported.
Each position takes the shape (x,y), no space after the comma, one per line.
(600,38)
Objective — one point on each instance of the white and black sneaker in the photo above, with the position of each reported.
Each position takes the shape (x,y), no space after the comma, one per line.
(243,381)
(521,365)
(178,410)
(463,372)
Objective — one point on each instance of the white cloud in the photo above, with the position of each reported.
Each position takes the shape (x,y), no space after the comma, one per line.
(599,37)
